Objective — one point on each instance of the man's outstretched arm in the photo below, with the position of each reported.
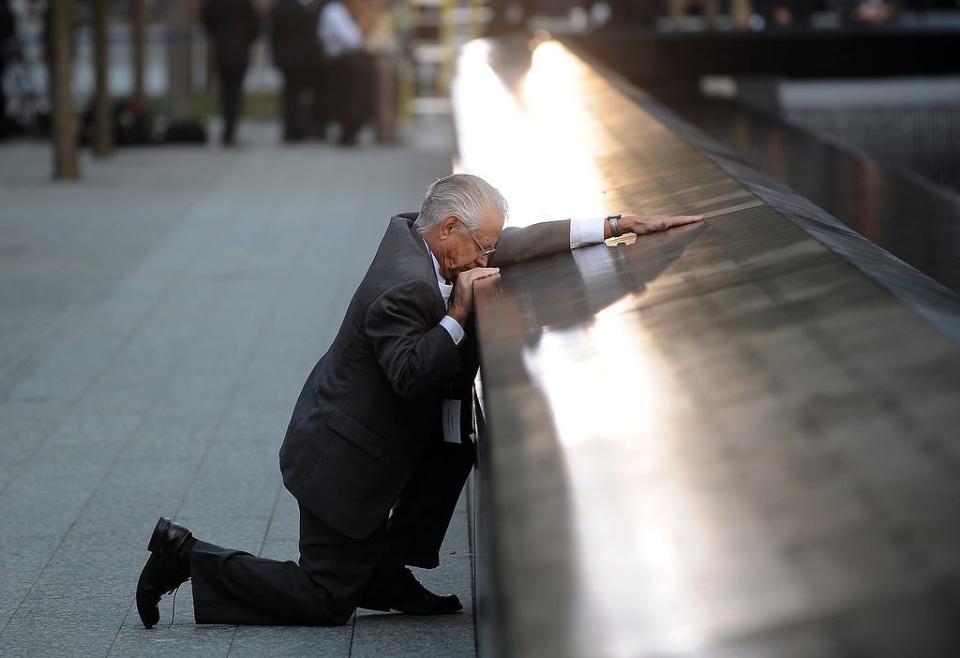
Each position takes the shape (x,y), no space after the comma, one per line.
(545,238)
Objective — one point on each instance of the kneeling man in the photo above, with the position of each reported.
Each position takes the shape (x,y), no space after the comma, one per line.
(364,453)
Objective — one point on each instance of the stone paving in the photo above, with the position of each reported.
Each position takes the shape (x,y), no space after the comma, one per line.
(157,320)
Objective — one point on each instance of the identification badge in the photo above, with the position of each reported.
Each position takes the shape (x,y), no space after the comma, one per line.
(451,421)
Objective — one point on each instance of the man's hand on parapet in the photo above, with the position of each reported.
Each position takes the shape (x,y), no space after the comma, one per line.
(462,305)
(652,223)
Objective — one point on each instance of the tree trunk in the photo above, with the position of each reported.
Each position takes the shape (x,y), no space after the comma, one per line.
(139,51)
(64,124)
(103,120)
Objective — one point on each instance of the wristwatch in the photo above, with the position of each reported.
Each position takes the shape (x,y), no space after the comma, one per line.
(614,221)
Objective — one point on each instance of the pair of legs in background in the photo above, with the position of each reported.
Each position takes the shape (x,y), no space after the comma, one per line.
(336,574)
(351,93)
(343,90)
(230,80)
(305,79)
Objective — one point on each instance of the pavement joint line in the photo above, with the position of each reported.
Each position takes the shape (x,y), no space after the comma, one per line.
(61,319)
(107,356)
(472,551)
(83,508)
(116,455)
(169,375)
(58,322)
(167,293)
(231,396)
(353,633)
(266,533)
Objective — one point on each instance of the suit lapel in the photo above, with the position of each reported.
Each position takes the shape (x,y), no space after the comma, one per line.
(430,271)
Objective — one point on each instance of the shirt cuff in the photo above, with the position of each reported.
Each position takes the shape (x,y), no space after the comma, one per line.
(586,230)
(453,328)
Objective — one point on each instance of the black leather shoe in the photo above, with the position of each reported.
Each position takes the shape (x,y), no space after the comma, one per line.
(164,570)
(398,589)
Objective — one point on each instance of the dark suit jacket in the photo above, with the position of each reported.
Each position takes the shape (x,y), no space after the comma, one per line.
(293,35)
(233,26)
(373,401)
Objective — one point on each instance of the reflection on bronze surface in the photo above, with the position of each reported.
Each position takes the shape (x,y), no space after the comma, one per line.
(720,440)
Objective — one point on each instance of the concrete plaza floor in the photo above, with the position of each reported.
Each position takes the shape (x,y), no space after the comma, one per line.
(157,320)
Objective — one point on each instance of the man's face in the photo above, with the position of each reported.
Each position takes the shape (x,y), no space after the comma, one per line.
(459,250)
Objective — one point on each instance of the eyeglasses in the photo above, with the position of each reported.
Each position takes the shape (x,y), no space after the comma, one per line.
(484,251)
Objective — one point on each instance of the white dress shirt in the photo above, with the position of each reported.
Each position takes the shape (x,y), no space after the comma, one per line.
(338,31)
(586,230)
(583,231)
(446,289)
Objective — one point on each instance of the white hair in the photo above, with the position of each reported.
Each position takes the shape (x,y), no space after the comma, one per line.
(465,196)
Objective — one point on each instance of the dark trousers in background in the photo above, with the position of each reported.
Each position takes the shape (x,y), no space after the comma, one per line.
(296,82)
(326,585)
(320,107)
(352,85)
(231,99)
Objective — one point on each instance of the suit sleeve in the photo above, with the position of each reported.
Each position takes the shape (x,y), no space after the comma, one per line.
(417,354)
(535,241)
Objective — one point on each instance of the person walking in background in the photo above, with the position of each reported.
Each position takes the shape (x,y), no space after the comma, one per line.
(232,27)
(297,54)
(341,33)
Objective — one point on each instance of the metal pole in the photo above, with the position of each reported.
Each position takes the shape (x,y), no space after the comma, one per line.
(139,50)
(103,135)
(64,127)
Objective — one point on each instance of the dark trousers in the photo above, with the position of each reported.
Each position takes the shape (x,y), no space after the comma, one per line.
(325,586)
(231,98)
(352,88)
(3,95)
(296,82)
(320,108)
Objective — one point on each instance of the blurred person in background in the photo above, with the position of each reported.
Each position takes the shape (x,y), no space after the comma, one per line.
(8,32)
(785,13)
(510,16)
(384,47)
(297,54)
(870,12)
(633,12)
(860,13)
(232,27)
(341,31)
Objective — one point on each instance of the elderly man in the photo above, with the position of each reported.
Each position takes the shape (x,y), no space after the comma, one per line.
(375,453)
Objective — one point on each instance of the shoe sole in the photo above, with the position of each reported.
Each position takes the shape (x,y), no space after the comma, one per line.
(419,612)
(147,616)
(428,613)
